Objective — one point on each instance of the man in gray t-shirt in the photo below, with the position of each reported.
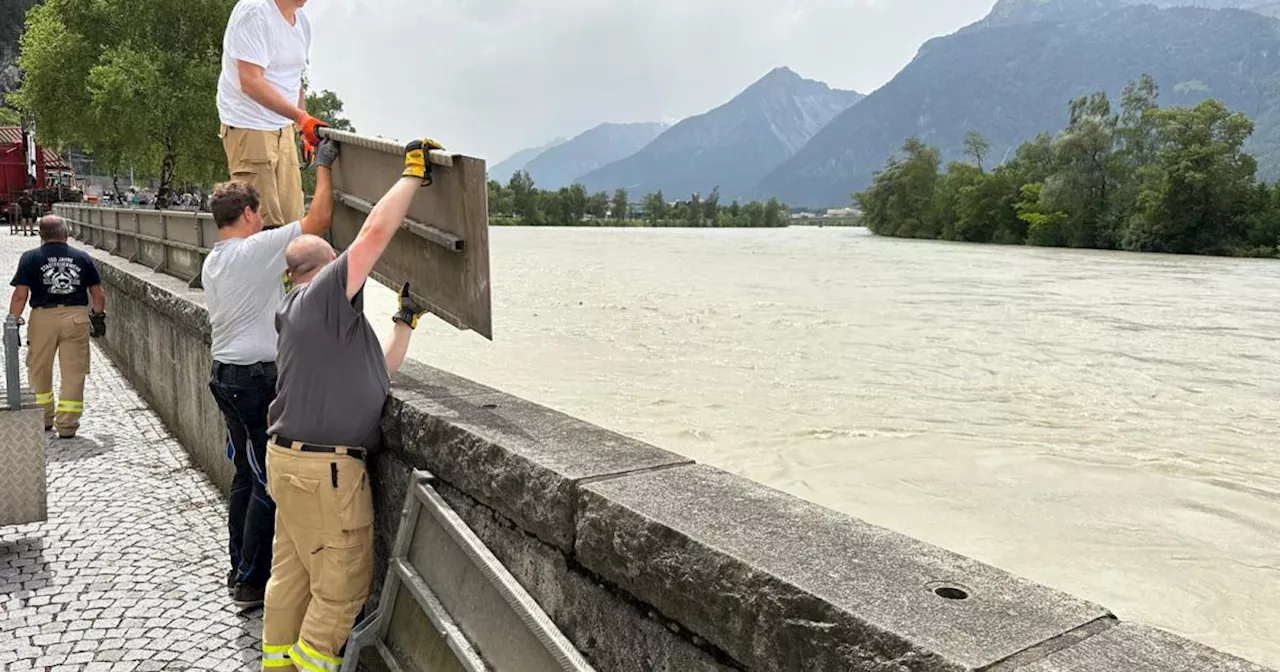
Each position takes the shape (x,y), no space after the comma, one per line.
(243,285)
(334,379)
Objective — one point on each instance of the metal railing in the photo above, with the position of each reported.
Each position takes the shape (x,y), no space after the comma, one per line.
(167,241)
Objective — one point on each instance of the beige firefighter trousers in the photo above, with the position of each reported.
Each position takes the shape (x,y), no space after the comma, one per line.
(268,160)
(61,332)
(322,561)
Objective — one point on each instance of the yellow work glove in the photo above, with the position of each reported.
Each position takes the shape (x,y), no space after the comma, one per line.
(409,311)
(417,163)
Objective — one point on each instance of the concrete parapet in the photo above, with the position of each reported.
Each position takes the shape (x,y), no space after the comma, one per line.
(646,561)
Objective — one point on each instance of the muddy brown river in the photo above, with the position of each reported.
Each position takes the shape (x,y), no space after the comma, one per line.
(1104,423)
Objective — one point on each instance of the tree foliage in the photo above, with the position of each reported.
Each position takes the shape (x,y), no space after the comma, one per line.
(132,81)
(1146,179)
(521,202)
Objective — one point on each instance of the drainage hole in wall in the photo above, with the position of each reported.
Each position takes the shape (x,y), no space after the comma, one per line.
(951,593)
(489,406)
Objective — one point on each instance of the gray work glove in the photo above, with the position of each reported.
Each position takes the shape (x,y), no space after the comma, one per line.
(327,153)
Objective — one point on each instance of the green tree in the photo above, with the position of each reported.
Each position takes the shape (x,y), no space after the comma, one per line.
(976,147)
(524,198)
(598,205)
(621,208)
(1086,173)
(711,207)
(693,211)
(132,81)
(775,213)
(753,214)
(327,107)
(901,199)
(574,197)
(10,116)
(655,207)
(1201,182)
(500,199)
(1044,226)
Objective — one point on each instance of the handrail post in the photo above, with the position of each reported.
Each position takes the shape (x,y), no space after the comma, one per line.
(13,381)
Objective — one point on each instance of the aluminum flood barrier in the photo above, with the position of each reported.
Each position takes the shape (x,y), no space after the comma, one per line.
(442,248)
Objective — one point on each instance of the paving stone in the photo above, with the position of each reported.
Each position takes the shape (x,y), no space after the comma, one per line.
(134,549)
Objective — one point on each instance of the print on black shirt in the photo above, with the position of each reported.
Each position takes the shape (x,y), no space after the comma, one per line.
(58,275)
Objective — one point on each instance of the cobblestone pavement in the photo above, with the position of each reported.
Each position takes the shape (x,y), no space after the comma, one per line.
(129,571)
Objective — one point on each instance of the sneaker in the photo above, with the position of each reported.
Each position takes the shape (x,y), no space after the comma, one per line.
(248,597)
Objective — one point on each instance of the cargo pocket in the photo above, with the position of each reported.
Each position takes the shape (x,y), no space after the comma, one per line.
(247,152)
(352,505)
(296,501)
(346,569)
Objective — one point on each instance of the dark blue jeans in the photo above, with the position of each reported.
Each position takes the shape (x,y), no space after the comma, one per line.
(243,394)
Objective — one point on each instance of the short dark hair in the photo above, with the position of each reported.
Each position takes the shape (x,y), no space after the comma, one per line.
(229,200)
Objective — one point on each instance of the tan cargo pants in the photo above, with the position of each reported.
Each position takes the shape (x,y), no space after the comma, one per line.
(63,332)
(268,160)
(322,561)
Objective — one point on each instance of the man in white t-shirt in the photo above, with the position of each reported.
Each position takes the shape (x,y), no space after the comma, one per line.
(265,50)
(243,291)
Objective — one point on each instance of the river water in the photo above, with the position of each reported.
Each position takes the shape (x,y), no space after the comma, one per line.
(1101,422)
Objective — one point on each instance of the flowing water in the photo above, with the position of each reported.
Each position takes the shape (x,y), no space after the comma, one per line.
(1104,423)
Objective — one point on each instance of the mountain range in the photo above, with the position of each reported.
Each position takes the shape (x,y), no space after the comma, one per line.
(562,164)
(1009,76)
(503,170)
(731,146)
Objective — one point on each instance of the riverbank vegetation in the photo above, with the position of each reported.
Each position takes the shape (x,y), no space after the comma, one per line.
(1144,179)
(521,203)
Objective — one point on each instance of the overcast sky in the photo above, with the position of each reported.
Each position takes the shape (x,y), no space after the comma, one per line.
(489,77)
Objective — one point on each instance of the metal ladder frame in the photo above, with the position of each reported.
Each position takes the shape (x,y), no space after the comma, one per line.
(373,630)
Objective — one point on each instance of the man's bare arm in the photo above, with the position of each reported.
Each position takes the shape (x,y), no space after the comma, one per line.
(397,348)
(377,232)
(18,302)
(253,82)
(320,217)
(98,299)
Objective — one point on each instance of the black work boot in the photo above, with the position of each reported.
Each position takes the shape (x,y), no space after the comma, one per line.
(248,597)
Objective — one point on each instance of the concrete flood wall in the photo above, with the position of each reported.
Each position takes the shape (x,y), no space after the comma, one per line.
(647,561)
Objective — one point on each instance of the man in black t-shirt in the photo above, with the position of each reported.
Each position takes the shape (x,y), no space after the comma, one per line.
(26,213)
(60,281)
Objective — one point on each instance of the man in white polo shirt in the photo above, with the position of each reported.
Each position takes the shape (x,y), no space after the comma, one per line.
(241,279)
(265,50)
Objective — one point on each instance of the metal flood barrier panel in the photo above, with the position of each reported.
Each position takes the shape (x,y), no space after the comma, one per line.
(23,489)
(441,249)
(449,605)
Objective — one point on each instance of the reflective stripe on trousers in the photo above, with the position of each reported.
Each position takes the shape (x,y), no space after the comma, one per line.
(299,655)
(276,656)
(59,335)
(322,562)
(307,658)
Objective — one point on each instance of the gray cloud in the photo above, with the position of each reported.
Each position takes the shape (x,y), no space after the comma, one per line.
(488,77)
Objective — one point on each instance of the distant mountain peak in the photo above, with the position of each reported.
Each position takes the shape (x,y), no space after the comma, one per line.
(733,145)
(783,78)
